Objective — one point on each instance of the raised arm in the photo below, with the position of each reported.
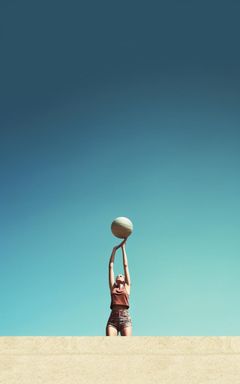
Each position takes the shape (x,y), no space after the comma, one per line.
(110,267)
(111,271)
(125,265)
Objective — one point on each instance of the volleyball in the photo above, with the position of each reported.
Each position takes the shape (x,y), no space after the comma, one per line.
(122,227)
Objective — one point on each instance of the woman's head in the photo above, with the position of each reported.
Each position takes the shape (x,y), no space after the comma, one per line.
(120,279)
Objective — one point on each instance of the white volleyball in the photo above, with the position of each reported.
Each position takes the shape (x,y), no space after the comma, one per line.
(122,227)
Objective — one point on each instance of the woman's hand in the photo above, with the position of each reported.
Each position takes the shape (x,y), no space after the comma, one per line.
(115,248)
(123,243)
(120,245)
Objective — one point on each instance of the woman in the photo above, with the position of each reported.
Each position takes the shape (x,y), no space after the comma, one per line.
(119,319)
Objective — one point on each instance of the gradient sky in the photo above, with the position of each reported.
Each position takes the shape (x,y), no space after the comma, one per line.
(114,109)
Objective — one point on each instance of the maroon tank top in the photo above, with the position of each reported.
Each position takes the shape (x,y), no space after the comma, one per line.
(119,296)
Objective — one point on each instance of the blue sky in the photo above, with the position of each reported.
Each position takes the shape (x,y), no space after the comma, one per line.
(111,110)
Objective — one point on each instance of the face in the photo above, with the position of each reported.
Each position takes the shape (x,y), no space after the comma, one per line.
(120,279)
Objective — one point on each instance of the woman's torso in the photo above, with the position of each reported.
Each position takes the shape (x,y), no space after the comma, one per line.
(119,297)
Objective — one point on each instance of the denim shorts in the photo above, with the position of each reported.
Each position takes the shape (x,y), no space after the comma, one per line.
(120,318)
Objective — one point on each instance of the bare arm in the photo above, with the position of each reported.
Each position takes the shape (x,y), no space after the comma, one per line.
(125,265)
(110,268)
(111,271)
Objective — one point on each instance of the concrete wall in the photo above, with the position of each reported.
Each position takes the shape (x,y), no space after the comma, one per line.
(135,359)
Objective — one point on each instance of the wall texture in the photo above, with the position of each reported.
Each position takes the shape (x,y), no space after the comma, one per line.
(135,359)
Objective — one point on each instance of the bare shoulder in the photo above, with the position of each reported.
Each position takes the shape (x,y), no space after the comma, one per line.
(127,288)
(111,289)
